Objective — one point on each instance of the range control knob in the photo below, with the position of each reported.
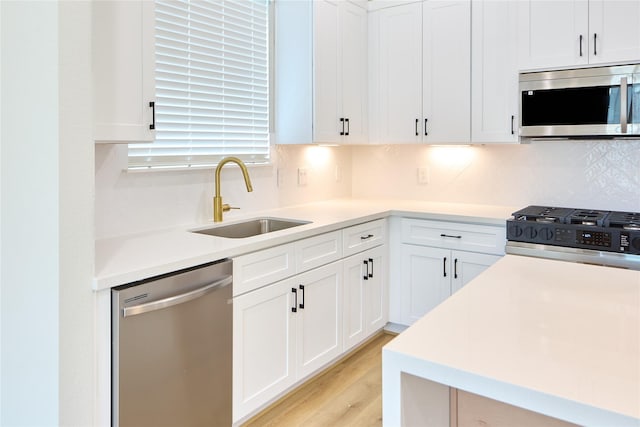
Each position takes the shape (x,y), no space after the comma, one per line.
(515,231)
(530,233)
(546,234)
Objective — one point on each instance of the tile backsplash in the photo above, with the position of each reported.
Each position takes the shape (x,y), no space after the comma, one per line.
(589,174)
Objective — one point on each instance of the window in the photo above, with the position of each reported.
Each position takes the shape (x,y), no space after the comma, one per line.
(212,84)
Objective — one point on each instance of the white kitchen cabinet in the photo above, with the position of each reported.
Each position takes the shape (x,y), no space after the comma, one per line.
(614,31)
(123,64)
(430,275)
(446,68)
(557,34)
(289,313)
(321,72)
(283,333)
(395,72)
(365,296)
(436,259)
(318,318)
(264,339)
(494,72)
(420,73)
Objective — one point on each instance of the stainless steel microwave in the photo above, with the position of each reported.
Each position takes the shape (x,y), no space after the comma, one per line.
(590,102)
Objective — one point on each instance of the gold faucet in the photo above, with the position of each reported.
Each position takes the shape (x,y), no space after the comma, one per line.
(218,207)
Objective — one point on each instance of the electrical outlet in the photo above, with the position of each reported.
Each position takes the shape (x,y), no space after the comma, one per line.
(423,175)
(302,176)
(338,173)
(280,178)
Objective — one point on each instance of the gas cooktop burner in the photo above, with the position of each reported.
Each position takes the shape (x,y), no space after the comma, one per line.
(587,217)
(577,229)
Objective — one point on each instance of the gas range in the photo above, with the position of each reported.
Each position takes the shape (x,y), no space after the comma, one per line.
(580,235)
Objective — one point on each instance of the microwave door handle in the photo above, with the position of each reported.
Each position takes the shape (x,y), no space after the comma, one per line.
(623,105)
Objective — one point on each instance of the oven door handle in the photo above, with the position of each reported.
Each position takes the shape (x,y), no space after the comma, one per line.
(623,105)
(176,299)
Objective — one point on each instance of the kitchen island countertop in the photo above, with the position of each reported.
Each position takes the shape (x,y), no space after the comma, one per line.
(553,337)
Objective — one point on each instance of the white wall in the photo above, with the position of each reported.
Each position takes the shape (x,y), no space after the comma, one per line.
(46,220)
(29,227)
(131,202)
(596,175)
(76,185)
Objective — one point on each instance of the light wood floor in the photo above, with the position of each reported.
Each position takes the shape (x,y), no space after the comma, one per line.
(348,394)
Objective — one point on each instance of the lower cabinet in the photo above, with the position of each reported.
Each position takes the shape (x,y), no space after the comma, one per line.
(283,332)
(432,259)
(430,275)
(299,306)
(365,296)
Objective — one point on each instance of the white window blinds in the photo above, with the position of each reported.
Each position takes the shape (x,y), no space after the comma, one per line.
(212,91)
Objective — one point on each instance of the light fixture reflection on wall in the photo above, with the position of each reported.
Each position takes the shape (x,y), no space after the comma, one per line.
(451,155)
(317,156)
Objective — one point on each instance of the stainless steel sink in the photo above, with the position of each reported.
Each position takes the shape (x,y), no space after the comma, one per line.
(251,227)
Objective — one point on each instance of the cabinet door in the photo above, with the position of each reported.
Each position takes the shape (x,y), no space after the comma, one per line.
(614,31)
(353,318)
(365,296)
(426,279)
(467,265)
(494,78)
(395,49)
(123,70)
(446,63)
(376,300)
(353,36)
(319,318)
(552,33)
(263,345)
(327,94)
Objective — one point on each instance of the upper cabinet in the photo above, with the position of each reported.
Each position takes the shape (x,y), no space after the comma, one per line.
(321,72)
(123,71)
(494,72)
(395,72)
(446,65)
(420,57)
(556,34)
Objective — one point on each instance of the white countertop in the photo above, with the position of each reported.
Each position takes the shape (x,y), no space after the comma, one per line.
(130,258)
(554,337)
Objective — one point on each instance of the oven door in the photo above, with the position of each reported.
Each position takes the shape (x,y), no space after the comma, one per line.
(587,102)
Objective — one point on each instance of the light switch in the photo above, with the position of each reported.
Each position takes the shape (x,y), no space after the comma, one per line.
(423,175)
(302,176)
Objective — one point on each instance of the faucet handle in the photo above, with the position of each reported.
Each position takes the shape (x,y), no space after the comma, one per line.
(227,208)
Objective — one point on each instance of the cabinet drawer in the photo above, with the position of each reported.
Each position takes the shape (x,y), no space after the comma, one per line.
(318,250)
(257,269)
(363,236)
(452,235)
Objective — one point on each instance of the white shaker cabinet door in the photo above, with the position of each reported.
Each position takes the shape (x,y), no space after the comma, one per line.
(552,33)
(326,74)
(446,63)
(263,345)
(614,31)
(353,36)
(425,277)
(319,318)
(494,76)
(123,56)
(365,296)
(395,98)
(467,265)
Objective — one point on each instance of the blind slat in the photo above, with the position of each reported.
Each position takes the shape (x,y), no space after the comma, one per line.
(212,84)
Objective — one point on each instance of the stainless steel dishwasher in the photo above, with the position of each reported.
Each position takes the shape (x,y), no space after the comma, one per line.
(172,349)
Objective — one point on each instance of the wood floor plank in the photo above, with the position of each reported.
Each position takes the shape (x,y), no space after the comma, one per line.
(348,394)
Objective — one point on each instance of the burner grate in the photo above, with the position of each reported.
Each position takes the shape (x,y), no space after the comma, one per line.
(588,217)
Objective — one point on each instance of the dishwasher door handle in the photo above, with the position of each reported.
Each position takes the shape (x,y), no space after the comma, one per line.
(176,299)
